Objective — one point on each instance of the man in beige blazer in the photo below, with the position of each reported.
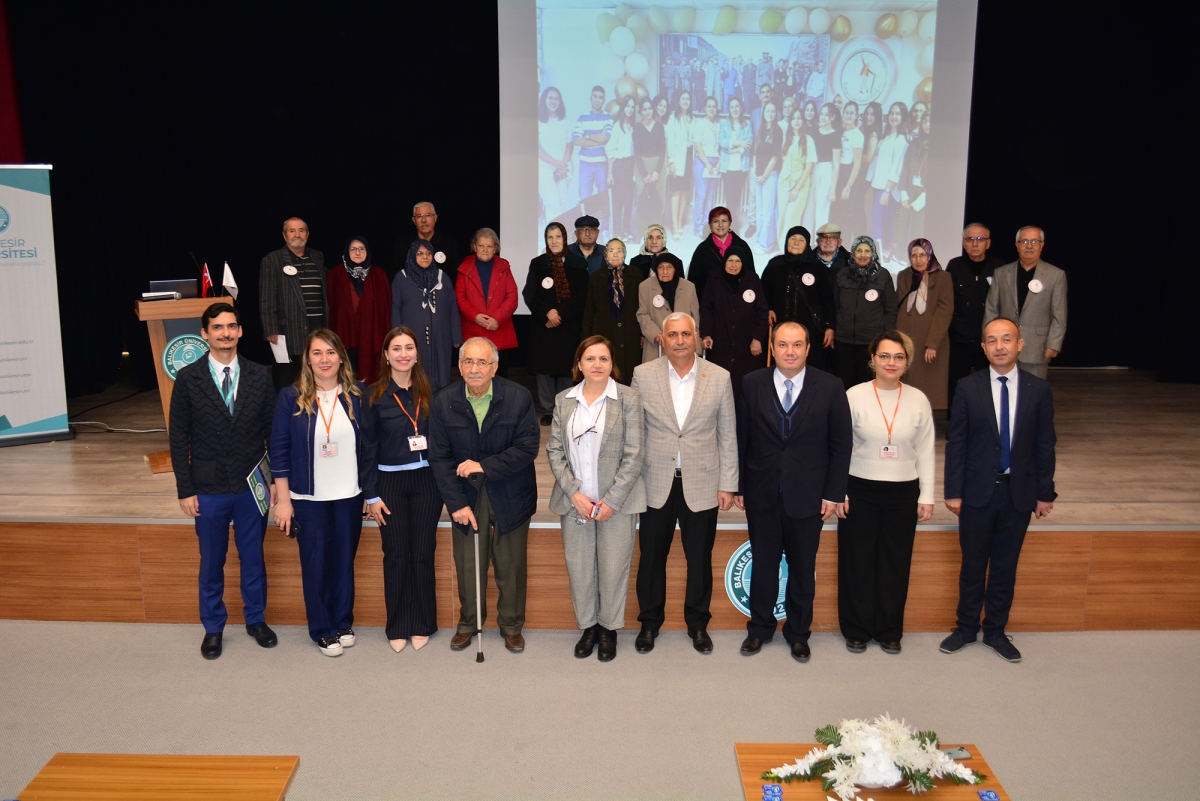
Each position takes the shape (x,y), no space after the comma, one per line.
(691,471)
(1034,294)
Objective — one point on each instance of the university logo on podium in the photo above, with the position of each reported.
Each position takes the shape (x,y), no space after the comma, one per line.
(737,581)
(182,351)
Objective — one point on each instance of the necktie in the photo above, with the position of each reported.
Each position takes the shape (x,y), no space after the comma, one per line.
(787,395)
(226,387)
(1005,435)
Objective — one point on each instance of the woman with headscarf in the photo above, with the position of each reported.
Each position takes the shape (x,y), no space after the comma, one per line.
(664,291)
(612,307)
(358,307)
(926,307)
(709,256)
(864,303)
(798,291)
(555,292)
(734,318)
(654,242)
(423,300)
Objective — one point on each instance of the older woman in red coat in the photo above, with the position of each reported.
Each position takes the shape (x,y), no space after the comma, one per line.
(360,307)
(487,293)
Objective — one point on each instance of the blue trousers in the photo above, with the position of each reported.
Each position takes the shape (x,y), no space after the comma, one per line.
(990,537)
(328,540)
(706,196)
(212,530)
(593,179)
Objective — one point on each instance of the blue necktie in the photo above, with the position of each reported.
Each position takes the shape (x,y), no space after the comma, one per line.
(787,395)
(1005,435)
(227,385)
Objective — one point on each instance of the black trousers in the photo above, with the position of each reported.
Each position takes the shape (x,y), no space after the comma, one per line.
(699,532)
(284,375)
(990,537)
(875,545)
(773,534)
(965,358)
(409,538)
(852,363)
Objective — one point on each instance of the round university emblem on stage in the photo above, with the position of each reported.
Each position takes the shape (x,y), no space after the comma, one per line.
(182,351)
(5,219)
(737,581)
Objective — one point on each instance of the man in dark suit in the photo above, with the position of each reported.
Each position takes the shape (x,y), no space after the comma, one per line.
(221,411)
(486,424)
(291,297)
(999,468)
(794,443)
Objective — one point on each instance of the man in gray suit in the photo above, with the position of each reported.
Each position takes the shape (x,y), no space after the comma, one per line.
(691,471)
(1034,293)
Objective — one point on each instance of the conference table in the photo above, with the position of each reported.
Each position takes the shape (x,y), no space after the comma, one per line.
(180,777)
(756,758)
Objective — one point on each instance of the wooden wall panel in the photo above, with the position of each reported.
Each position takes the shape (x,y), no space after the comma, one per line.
(1052,580)
(933,582)
(1144,580)
(170,567)
(70,572)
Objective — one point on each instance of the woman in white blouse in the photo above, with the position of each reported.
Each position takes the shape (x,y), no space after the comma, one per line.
(595,453)
(884,174)
(679,159)
(619,151)
(554,153)
(707,167)
(890,490)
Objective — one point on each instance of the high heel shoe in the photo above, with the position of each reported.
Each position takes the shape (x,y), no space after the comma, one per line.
(419,643)
(398,645)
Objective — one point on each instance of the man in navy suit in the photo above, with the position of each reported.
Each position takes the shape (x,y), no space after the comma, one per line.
(999,468)
(794,443)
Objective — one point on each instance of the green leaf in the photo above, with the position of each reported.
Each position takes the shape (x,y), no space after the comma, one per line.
(921,779)
(929,737)
(829,735)
(980,778)
(826,785)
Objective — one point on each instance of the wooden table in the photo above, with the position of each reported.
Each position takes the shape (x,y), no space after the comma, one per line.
(130,777)
(756,758)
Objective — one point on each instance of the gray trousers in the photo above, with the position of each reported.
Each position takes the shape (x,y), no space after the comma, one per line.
(598,559)
(1036,368)
(508,556)
(548,386)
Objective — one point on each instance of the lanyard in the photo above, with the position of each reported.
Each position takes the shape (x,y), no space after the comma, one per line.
(332,411)
(406,414)
(233,381)
(894,413)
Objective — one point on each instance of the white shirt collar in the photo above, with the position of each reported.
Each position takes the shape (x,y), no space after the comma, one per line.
(219,368)
(796,382)
(1011,375)
(672,372)
(610,391)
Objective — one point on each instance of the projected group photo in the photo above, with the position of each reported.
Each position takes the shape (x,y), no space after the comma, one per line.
(805,116)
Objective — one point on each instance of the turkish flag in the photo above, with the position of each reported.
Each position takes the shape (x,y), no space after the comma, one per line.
(205,282)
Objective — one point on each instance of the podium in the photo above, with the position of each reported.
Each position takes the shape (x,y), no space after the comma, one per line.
(175,340)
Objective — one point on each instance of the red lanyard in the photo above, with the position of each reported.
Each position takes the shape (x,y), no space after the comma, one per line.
(332,411)
(881,412)
(406,414)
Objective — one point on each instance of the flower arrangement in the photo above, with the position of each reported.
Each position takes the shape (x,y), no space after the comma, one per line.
(881,753)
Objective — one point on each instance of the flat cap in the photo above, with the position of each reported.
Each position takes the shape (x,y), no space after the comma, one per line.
(587,221)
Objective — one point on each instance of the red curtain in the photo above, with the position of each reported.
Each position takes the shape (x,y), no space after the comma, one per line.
(12,149)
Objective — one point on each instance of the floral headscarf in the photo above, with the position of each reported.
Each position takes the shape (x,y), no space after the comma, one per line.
(863,275)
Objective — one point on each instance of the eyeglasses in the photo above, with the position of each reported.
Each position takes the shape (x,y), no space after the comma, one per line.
(976,238)
(426,216)
(475,362)
(358,250)
(886,358)
(828,237)
(1029,241)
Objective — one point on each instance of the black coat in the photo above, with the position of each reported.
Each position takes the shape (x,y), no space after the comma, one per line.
(707,259)
(732,322)
(812,462)
(860,320)
(970,297)
(625,334)
(551,351)
(506,448)
(793,301)
(211,452)
(442,243)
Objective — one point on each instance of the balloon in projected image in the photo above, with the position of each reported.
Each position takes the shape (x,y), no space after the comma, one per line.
(796,21)
(818,21)
(684,19)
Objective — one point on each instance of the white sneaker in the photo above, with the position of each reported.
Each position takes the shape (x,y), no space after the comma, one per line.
(346,637)
(330,646)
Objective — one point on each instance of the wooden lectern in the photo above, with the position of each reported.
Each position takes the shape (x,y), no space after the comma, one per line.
(154,313)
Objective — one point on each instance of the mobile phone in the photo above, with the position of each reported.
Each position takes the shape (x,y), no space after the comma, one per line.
(595,509)
(955,752)
(293,529)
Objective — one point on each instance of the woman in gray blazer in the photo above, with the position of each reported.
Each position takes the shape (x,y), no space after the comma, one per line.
(664,291)
(595,453)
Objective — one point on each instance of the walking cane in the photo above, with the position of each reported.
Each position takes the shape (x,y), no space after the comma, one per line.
(477,480)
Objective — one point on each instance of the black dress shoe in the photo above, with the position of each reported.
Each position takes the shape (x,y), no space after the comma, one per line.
(800,651)
(583,648)
(751,646)
(547,419)
(608,645)
(211,647)
(890,646)
(700,640)
(855,646)
(644,643)
(262,634)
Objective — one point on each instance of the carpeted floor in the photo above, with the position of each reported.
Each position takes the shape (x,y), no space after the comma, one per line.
(1098,715)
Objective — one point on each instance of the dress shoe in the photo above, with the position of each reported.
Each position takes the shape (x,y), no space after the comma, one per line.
(514,643)
(211,647)
(346,637)
(461,640)
(644,643)
(800,651)
(751,646)
(262,634)
(855,646)
(1002,645)
(700,640)
(330,646)
(583,648)
(419,643)
(547,419)
(890,646)
(398,645)
(956,642)
(608,645)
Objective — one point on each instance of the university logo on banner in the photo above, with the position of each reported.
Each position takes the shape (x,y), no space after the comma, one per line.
(182,351)
(5,219)
(737,581)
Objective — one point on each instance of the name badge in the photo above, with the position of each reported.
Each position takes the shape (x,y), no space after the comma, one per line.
(889,451)
(547,282)
(916,181)
(808,279)
(417,443)
(1036,286)
(659,301)
(289,270)
(749,296)
(872,295)
(439,257)
(328,450)
(989,280)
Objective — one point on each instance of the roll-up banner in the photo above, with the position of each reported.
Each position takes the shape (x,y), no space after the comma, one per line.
(33,398)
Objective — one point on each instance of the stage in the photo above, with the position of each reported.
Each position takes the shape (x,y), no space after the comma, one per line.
(87,532)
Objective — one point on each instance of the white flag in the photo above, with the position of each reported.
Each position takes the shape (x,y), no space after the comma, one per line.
(227,281)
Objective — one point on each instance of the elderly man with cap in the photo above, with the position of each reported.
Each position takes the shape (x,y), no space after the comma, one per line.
(829,251)
(587,228)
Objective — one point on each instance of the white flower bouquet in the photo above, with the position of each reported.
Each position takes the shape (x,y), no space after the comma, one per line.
(881,753)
